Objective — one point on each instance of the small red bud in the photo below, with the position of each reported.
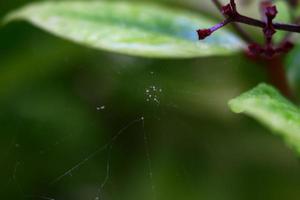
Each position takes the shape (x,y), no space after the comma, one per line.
(203,33)
(270,52)
(271,11)
(287,46)
(255,49)
(227,10)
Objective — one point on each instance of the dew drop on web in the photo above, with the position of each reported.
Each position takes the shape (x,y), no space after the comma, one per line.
(99,108)
(153,94)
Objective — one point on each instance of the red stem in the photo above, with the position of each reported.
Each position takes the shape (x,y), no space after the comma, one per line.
(277,75)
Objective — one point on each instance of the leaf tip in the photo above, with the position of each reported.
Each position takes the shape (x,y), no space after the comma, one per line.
(234,106)
(12,16)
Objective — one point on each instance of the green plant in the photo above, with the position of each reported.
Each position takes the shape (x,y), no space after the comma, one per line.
(153,31)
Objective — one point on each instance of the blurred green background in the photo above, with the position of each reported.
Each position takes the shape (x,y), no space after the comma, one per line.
(60,103)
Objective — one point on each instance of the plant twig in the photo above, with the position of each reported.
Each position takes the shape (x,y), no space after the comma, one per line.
(258,23)
(234,17)
(245,36)
(270,54)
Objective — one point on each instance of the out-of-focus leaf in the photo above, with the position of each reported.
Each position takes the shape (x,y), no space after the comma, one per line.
(268,106)
(131,28)
(283,16)
(293,69)
(28,65)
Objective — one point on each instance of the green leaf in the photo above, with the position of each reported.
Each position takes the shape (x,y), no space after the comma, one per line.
(268,106)
(293,69)
(139,29)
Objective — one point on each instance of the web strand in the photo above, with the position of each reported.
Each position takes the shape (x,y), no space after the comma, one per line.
(97,151)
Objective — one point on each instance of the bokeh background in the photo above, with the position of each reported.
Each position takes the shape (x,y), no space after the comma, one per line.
(61,102)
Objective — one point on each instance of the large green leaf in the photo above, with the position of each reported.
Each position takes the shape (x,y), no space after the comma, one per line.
(268,106)
(131,28)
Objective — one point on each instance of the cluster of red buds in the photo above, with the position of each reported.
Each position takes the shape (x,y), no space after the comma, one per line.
(269,12)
